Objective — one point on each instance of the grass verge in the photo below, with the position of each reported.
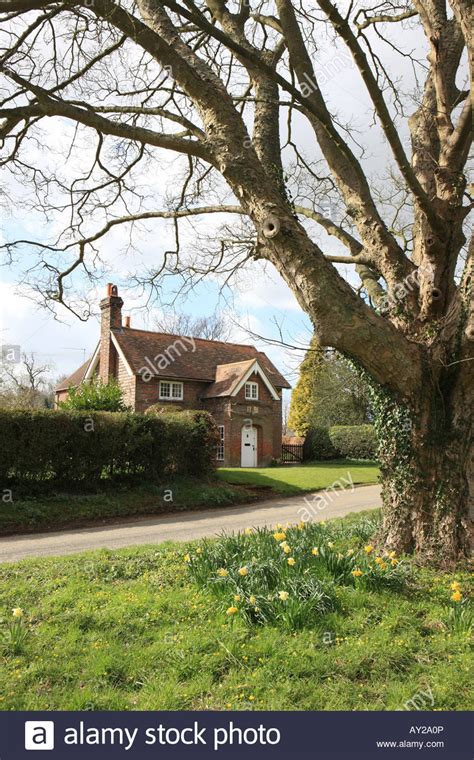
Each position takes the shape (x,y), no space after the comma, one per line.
(131,629)
(75,509)
(230,486)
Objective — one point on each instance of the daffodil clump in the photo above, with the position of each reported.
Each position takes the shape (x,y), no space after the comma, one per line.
(13,638)
(460,615)
(289,575)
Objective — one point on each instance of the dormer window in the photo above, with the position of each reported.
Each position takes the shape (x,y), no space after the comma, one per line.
(251,391)
(171,391)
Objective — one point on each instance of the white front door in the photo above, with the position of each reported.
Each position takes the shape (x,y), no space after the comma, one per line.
(249,447)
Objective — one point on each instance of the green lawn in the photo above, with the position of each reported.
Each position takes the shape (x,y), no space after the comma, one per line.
(293,479)
(131,629)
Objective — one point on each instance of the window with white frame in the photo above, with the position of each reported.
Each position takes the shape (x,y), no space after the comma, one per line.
(220,445)
(170,391)
(251,391)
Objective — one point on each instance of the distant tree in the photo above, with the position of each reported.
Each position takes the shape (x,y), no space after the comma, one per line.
(286,430)
(341,397)
(26,385)
(328,392)
(302,398)
(95,397)
(213,327)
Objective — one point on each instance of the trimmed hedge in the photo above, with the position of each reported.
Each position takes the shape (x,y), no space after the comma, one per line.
(73,447)
(354,441)
(347,441)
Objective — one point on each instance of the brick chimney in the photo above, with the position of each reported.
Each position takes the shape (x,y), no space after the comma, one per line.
(111,319)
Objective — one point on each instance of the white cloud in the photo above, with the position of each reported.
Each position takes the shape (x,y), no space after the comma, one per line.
(63,345)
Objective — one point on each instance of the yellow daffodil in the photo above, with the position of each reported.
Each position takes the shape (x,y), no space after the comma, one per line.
(232,610)
(357,573)
(222,572)
(283,595)
(291,561)
(187,558)
(383,565)
(252,599)
(237,597)
(392,555)
(301,525)
(283,544)
(199,550)
(330,544)
(368,549)
(248,531)
(17,612)
(456,596)
(286,549)
(279,536)
(315,551)
(350,552)
(394,561)
(244,570)
(340,556)
(378,560)
(455,586)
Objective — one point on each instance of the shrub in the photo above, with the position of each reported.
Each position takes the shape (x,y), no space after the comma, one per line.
(95,397)
(318,445)
(347,441)
(71,446)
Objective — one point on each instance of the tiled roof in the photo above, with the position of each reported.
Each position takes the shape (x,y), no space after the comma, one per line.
(75,379)
(227,378)
(143,349)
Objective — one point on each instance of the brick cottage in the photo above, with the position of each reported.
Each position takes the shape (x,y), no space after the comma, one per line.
(237,384)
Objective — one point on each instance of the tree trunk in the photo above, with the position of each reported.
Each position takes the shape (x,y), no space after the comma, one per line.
(427,464)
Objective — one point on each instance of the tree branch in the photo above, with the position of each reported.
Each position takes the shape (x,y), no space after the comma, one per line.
(382,18)
(343,29)
(48,105)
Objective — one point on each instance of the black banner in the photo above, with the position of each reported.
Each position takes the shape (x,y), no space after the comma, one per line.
(176,735)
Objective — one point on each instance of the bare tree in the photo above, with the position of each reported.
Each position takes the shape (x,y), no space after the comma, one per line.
(26,384)
(213,327)
(215,81)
